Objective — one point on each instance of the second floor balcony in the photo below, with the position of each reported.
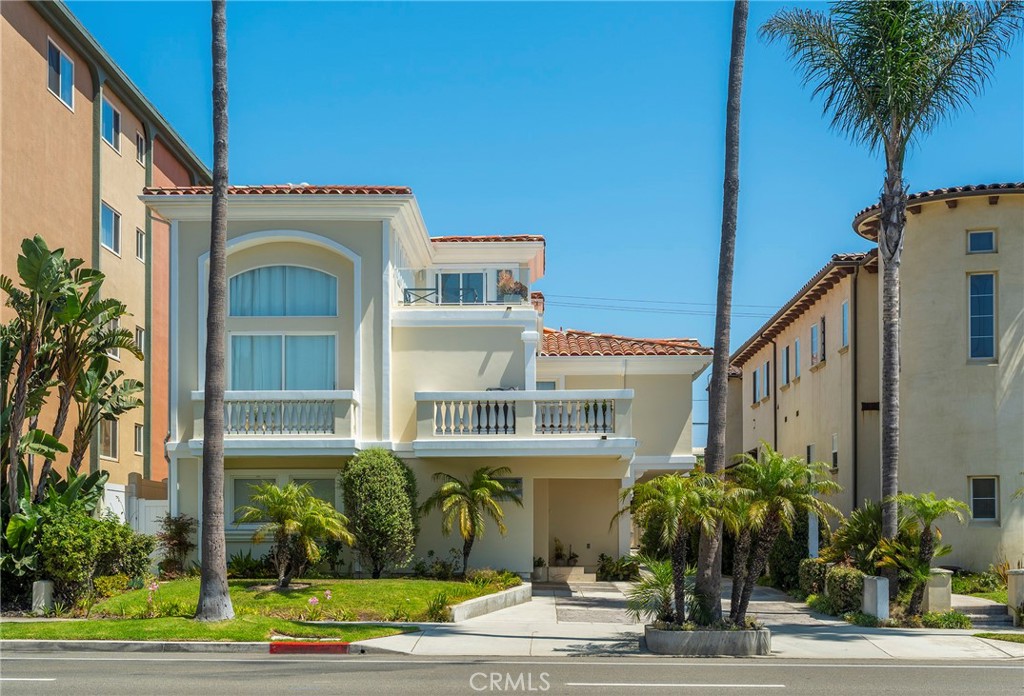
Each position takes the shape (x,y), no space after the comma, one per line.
(525,423)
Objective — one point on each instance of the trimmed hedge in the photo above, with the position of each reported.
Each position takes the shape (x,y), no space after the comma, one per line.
(844,586)
(812,576)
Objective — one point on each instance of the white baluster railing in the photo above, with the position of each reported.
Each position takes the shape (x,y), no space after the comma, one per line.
(474,417)
(572,416)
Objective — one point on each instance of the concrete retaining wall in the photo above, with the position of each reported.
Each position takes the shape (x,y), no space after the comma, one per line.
(485,605)
(708,643)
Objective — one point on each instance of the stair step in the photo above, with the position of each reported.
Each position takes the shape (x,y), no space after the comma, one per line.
(975,610)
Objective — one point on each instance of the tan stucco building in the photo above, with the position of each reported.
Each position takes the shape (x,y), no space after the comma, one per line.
(78,143)
(350,327)
(808,381)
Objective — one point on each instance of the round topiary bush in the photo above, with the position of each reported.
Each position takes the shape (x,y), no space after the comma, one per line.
(844,586)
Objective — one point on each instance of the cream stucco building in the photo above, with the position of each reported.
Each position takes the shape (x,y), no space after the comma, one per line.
(808,381)
(349,327)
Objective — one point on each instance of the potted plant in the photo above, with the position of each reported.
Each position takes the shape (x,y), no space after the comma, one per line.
(510,289)
(558,557)
(573,557)
(540,570)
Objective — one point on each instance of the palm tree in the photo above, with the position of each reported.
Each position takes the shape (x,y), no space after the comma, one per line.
(679,503)
(889,73)
(927,509)
(708,591)
(469,502)
(296,520)
(652,596)
(214,599)
(857,539)
(783,487)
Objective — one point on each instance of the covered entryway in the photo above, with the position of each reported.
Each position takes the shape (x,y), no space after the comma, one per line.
(578,513)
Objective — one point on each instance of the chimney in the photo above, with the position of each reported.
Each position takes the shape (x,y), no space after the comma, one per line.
(537,300)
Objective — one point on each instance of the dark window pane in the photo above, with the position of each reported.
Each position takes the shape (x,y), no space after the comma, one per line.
(984,487)
(472,287)
(982,284)
(984,509)
(53,73)
(981,241)
(450,288)
(67,79)
(982,348)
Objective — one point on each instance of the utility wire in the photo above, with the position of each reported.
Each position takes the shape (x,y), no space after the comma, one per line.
(655,310)
(662,302)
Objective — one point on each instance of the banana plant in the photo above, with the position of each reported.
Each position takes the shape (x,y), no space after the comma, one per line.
(100,395)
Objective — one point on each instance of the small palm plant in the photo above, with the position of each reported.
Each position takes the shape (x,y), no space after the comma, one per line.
(469,502)
(927,509)
(780,489)
(652,597)
(296,520)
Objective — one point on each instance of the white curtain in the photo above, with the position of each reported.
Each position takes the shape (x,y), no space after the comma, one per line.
(283,291)
(309,362)
(255,363)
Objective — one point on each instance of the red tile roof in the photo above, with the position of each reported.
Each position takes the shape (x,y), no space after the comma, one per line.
(572,343)
(491,238)
(941,194)
(290,189)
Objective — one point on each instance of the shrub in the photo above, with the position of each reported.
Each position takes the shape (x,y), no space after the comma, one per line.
(122,551)
(487,577)
(626,568)
(859,618)
(380,512)
(812,576)
(974,583)
(822,604)
(110,585)
(437,608)
(243,565)
(68,548)
(945,619)
(786,554)
(175,541)
(845,588)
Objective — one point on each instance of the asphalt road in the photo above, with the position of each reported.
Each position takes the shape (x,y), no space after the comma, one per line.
(84,674)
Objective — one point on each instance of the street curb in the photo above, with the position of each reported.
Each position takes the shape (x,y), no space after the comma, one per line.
(153,646)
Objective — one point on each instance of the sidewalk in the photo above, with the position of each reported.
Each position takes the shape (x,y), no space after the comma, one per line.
(592,622)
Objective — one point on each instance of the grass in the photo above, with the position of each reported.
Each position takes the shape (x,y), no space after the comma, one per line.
(1008,637)
(999,596)
(244,628)
(351,600)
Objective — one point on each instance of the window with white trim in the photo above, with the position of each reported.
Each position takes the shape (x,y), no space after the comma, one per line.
(140,244)
(274,362)
(110,228)
(784,366)
(547,384)
(60,75)
(984,497)
(140,439)
(461,288)
(140,339)
(815,354)
(810,454)
(982,338)
(796,358)
(108,439)
(846,325)
(243,489)
(110,124)
(981,241)
(140,148)
(766,381)
(113,325)
(757,387)
(283,291)
(239,487)
(835,450)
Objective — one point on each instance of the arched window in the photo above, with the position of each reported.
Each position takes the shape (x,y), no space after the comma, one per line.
(283,291)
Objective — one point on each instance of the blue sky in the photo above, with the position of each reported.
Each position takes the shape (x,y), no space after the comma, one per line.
(598,125)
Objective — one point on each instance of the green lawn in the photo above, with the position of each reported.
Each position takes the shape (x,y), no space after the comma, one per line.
(1008,637)
(995,595)
(351,600)
(244,628)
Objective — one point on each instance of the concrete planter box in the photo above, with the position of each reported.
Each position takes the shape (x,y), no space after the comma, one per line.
(1015,594)
(709,643)
(493,602)
(938,594)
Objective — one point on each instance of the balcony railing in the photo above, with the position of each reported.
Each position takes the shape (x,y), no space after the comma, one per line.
(282,413)
(524,414)
(465,297)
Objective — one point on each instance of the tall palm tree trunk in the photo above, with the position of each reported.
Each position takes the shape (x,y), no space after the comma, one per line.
(467,546)
(709,563)
(890,245)
(758,560)
(740,558)
(679,573)
(214,598)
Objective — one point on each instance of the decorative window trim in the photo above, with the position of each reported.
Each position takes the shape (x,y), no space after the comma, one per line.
(995,241)
(994,358)
(283,335)
(337,289)
(995,498)
(139,441)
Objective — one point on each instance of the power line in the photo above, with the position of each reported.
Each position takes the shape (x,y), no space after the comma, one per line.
(663,302)
(655,310)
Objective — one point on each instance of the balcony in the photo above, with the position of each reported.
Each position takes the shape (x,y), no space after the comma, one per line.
(272,422)
(470,297)
(525,423)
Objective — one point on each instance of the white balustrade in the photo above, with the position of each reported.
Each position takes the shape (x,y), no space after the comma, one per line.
(274,417)
(566,416)
(474,417)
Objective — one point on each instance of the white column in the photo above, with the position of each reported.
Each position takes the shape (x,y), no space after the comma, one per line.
(530,340)
(812,535)
(625,521)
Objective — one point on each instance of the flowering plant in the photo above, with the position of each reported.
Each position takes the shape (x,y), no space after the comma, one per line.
(508,285)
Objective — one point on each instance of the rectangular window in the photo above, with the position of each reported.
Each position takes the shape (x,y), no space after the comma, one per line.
(140,148)
(547,385)
(140,338)
(784,367)
(108,439)
(111,125)
(810,454)
(461,288)
(835,450)
(796,358)
(821,333)
(114,325)
(110,228)
(984,499)
(322,488)
(846,324)
(140,439)
(140,245)
(815,354)
(276,362)
(757,387)
(983,316)
(766,381)
(981,241)
(242,490)
(61,75)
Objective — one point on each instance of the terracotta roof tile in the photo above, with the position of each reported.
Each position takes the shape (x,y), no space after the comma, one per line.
(490,238)
(290,189)
(572,343)
(943,193)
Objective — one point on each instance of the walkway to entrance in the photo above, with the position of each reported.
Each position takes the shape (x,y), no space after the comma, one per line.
(587,602)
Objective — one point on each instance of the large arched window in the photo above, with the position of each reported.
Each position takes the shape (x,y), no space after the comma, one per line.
(283,291)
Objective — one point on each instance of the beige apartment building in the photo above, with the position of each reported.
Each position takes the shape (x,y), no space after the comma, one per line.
(808,381)
(78,144)
(350,327)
